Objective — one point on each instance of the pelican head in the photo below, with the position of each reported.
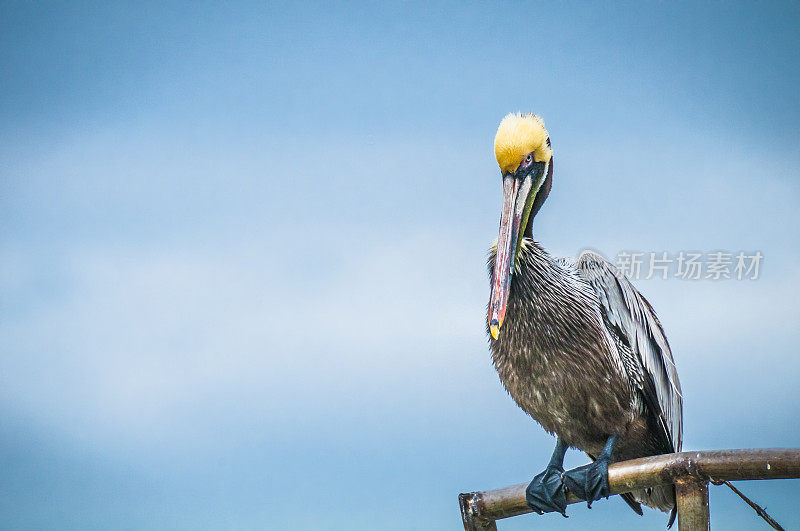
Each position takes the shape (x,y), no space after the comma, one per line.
(522,148)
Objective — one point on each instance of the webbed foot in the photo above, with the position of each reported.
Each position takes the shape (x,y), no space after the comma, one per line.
(589,482)
(545,494)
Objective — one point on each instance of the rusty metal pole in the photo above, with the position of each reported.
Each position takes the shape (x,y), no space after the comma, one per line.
(471,510)
(689,471)
(693,510)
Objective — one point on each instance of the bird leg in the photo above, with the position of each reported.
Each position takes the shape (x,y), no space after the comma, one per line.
(590,482)
(545,494)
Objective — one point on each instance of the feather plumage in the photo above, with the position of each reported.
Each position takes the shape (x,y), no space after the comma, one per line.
(583,353)
(651,368)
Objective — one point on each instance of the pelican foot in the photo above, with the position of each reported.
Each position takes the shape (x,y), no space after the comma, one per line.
(589,482)
(545,494)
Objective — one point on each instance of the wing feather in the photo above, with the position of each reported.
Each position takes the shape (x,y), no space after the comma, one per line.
(651,368)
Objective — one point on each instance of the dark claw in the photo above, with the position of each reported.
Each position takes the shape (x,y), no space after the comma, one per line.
(545,494)
(588,482)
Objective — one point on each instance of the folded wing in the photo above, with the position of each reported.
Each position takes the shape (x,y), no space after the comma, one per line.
(649,363)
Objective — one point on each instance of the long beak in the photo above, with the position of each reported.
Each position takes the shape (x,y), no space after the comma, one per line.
(515,196)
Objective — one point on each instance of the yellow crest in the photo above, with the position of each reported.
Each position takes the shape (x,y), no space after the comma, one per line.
(518,135)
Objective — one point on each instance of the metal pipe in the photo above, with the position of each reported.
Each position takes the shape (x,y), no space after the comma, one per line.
(471,509)
(483,508)
(693,511)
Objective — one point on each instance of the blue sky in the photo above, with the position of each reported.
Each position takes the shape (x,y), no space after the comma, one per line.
(242,248)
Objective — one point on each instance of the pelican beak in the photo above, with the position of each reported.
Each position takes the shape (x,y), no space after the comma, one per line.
(516,198)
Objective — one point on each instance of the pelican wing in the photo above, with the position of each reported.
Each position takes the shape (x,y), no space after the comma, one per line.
(649,364)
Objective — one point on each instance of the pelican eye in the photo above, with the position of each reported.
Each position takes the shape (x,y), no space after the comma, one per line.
(527,162)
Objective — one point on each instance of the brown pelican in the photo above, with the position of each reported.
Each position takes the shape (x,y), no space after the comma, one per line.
(575,344)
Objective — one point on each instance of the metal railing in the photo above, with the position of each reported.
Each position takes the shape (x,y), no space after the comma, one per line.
(690,472)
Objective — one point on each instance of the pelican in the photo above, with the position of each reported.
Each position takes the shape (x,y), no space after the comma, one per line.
(575,344)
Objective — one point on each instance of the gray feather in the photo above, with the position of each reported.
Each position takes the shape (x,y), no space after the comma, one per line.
(651,368)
